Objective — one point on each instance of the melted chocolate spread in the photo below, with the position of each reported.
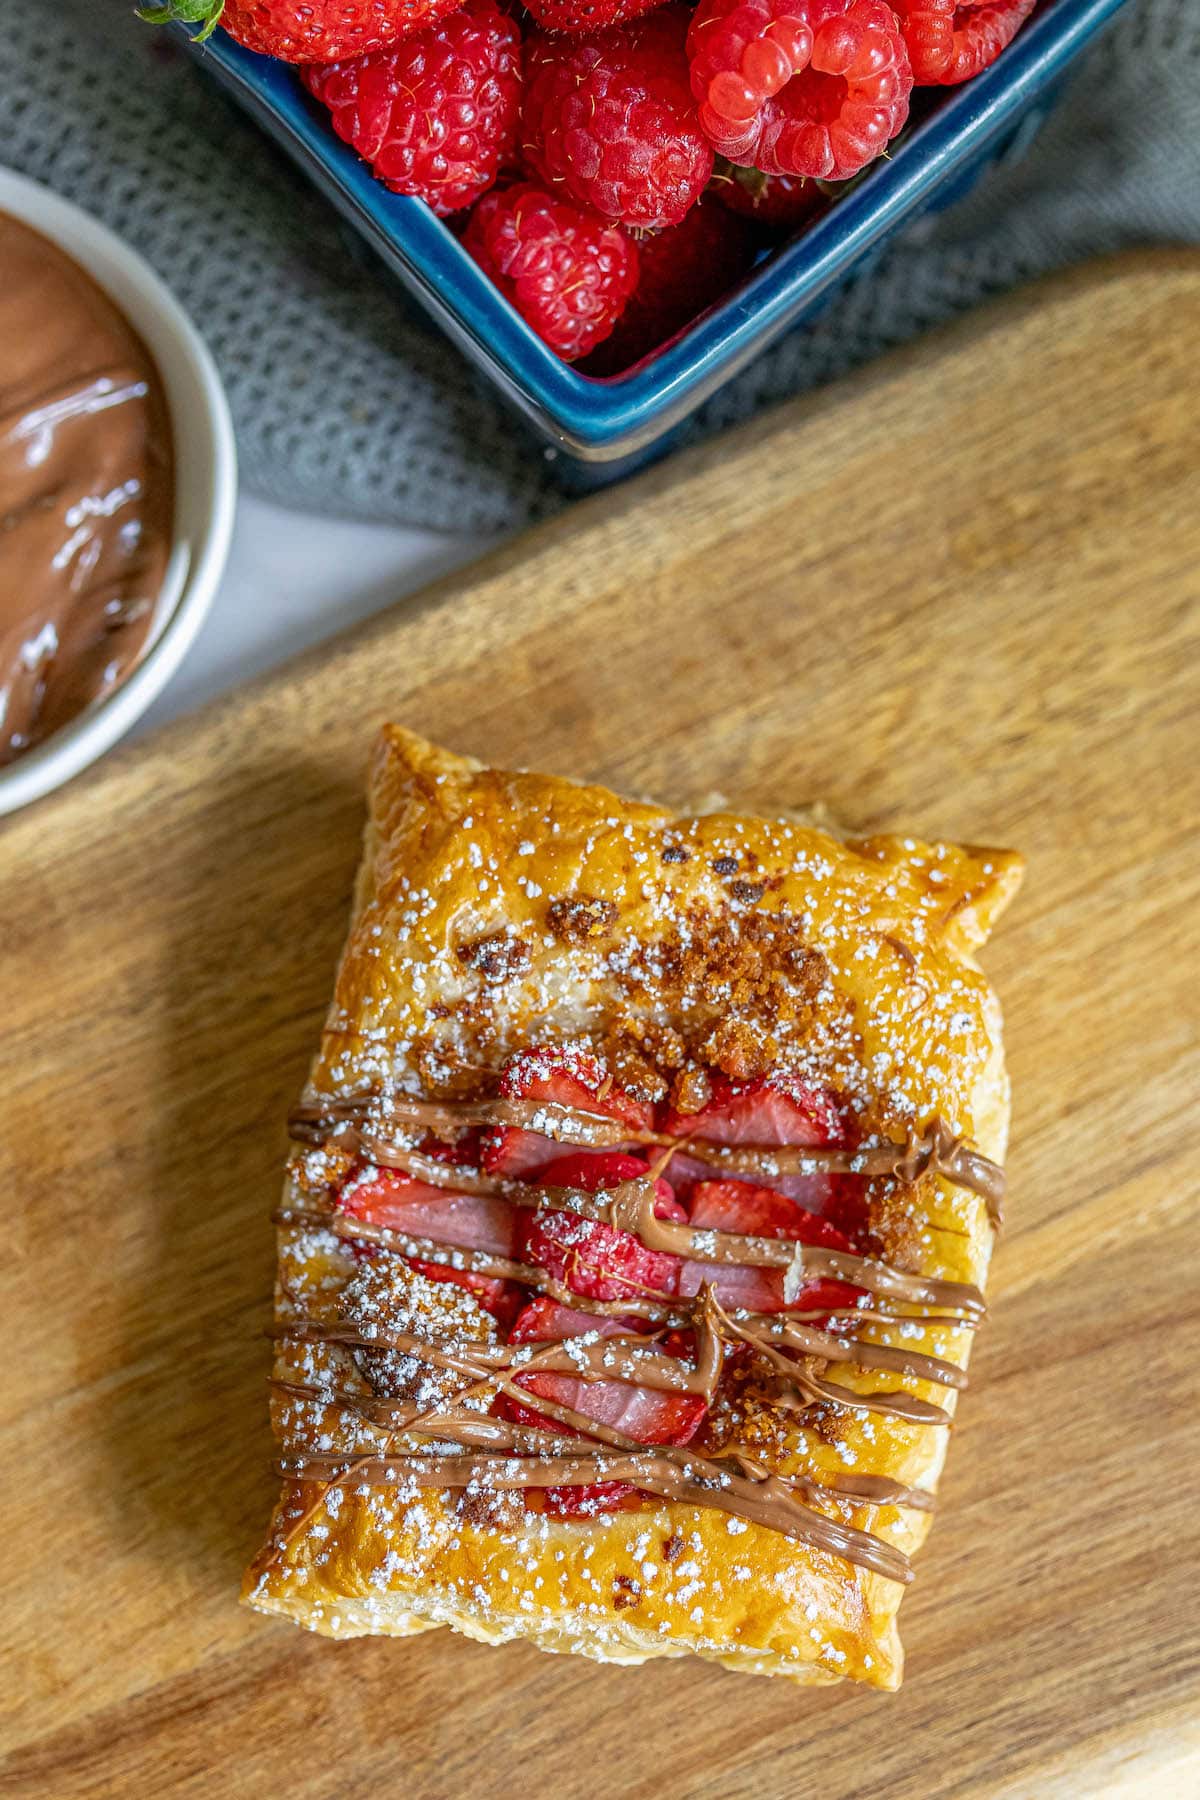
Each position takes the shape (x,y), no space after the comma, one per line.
(360,1122)
(785,1343)
(86,490)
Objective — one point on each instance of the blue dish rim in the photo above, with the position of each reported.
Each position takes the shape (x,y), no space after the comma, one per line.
(598,419)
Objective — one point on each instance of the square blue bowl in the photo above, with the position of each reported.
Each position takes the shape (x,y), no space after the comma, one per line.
(605,427)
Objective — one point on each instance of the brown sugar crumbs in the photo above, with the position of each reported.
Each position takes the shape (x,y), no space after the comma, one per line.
(747,984)
(626,1592)
(497,957)
(497,1509)
(691,1090)
(577,917)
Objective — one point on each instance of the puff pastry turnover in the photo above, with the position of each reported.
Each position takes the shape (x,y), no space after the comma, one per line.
(636,1227)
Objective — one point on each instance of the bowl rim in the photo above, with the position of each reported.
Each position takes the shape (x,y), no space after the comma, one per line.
(601,420)
(194,394)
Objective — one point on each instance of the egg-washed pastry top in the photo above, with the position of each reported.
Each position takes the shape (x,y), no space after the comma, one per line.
(635,1230)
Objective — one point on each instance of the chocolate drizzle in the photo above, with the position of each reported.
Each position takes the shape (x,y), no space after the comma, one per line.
(480,1262)
(497,1455)
(800,1386)
(668,1473)
(626,1356)
(482,1430)
(629,1356)
(361,1121)
(630,1207)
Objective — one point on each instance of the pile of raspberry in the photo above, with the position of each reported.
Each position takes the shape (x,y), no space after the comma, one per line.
(615,166)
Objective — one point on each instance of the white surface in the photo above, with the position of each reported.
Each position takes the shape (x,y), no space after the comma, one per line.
(205,484)
(293,580)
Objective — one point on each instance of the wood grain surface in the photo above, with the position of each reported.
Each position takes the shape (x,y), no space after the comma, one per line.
(958,593)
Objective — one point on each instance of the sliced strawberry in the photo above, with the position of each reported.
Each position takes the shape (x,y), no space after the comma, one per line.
(646,1414)
(760,1212)
(594,1170)
(594,1260)
(464,1152)
(571,1078)
(399,1202)
(583,1501)
(507,1150)
(650,1415)
(586,1502)
(590,1257)
(503,1299)
(568,1078)
(780,1111)
(546,1321)
(761,1290)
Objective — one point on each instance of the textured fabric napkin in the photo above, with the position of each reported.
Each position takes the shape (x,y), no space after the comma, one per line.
(347,401)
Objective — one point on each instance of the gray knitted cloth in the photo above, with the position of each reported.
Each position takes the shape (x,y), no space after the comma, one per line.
(347,401)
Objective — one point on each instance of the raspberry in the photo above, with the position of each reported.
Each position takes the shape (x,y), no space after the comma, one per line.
(587,15)
(567,272)
(437,115)
(683,270)
(799,87)
(948,43)
(320,31)
(609,120)
(777,202)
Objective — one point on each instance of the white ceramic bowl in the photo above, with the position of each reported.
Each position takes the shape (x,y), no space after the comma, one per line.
(205,484)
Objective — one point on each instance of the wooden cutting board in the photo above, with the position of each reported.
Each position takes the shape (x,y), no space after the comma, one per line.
(959,592)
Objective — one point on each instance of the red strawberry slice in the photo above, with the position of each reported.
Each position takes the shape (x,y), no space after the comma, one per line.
(586,1502)
(401,1203)
(647,1414)
(571,1078)
(761,1290)
(567,1078)
(786,1112)
(761,1212)
(507,1150)
(582,1501)
(463,1153)
(781,1111)
(503,1299)
(594,1170)
(545,1321)
(591,1258)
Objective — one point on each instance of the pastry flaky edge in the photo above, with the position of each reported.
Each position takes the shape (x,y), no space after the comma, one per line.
(901,1018)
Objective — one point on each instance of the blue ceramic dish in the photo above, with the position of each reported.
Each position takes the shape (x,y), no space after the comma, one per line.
(615,422)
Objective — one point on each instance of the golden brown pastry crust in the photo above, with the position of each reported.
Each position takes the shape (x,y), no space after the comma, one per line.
(494,911)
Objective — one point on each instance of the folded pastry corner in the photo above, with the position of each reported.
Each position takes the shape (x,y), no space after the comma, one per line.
(636,1228)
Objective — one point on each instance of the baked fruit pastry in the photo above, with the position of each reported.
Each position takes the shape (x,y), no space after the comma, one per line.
(636,1227)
